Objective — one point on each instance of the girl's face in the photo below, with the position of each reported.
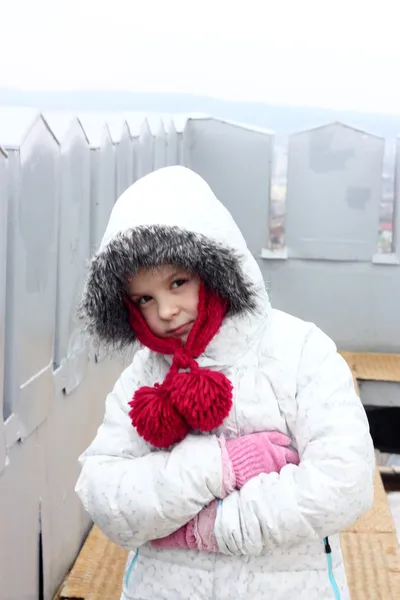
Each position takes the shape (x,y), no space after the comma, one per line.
(167,297)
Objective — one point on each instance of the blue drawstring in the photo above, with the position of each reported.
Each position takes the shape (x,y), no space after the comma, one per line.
(328,552)
(129,571)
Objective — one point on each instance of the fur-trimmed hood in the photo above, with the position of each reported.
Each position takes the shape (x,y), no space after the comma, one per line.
(169,216)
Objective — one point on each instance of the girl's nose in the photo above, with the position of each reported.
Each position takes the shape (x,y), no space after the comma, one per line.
(167,310)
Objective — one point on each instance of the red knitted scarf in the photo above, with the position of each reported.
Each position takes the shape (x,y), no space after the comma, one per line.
(197,399)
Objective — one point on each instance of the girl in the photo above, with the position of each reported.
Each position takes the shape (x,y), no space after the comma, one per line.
(235,444)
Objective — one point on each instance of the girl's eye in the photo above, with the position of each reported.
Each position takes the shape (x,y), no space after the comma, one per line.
(143,300)
(178,283)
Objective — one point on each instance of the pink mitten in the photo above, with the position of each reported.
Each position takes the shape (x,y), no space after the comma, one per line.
(174,540)
(257,453)
(243,458)
(200,530)
(196,535)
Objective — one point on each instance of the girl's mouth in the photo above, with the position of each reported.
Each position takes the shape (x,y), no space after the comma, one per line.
(181,330)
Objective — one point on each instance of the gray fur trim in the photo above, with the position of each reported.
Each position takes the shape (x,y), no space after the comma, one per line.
(102,308)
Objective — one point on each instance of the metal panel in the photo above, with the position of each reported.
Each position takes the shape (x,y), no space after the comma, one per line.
(59,122)
(380,393)
(145,158)
(102,176)
(102,182)
(135,123)
(114,123)
(236,163)
(70,355)
(20,485)
(68,430)
(180,122)
(171,141)
(124,160)
(31,276)
(396,208)
(95,128)
(172,145)
(160,141)
(3,259)
(333,193)
(142,142)
(357,304)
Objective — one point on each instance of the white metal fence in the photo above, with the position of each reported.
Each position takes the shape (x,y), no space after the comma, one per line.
(59,178)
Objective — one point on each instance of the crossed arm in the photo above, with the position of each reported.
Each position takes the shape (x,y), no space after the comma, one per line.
(136,495)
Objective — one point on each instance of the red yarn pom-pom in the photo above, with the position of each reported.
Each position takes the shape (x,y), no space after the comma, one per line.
(203,397)
(155,418)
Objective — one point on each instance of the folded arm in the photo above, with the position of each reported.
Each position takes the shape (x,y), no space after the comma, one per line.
(242,458)
(135,494)
(333,484)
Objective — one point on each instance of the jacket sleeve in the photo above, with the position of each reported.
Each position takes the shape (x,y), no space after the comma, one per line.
(135,493)
(333,484)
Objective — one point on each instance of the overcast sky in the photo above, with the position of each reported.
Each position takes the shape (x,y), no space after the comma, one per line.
(337,53)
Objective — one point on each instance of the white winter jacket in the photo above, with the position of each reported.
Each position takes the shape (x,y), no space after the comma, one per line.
(287,376)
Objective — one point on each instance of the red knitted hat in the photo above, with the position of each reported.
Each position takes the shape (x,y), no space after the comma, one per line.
(197,399)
